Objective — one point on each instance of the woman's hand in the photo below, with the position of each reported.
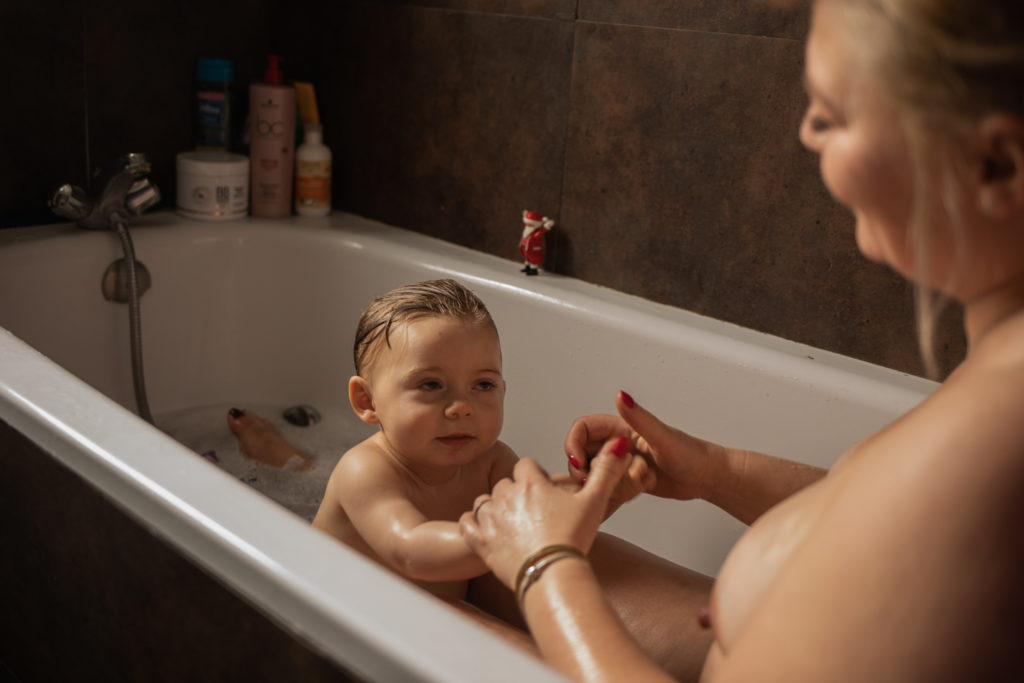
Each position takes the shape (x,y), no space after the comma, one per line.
(530,511)
(669,462)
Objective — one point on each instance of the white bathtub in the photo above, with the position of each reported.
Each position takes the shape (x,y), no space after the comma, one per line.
(265,312)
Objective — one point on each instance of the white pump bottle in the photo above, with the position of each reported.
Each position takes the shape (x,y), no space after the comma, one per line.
(313,174)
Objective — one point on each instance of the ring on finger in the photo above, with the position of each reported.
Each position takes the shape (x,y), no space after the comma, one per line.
(478,506)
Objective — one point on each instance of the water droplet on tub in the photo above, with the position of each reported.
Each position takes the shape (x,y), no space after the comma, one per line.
(302,415)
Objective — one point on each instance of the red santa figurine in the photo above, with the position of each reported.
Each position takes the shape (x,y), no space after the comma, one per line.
(531,246)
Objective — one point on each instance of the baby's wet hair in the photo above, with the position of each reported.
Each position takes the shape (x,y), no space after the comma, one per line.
(442,298)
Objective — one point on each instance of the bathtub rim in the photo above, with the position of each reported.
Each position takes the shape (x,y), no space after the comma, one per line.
(747,347)
(795,360)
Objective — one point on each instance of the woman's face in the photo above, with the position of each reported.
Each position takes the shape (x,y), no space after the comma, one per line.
(853,126)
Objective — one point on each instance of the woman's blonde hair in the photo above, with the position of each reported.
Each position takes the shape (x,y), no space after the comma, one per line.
(947,64)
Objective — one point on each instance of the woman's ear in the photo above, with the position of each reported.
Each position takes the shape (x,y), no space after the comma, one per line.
(361,398)
(1001,190)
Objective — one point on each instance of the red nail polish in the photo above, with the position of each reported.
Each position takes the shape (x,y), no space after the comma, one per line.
(627,399)
(575,463)
(583,481)
(621,447)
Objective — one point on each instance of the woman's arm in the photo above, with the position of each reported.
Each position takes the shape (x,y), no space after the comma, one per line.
(746,484)
(577,631)
(575,627)
(743,483)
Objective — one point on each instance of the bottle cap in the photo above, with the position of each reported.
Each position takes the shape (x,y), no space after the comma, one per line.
(273,74)
(222,70)
(313,132)
(210,162)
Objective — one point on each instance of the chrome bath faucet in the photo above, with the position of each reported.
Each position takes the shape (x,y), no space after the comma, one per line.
(125,191)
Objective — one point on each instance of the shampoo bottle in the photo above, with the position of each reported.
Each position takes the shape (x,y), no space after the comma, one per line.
(213,103)
(272,143)
(313,174)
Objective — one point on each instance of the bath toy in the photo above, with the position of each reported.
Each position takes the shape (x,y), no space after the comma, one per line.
(531,245)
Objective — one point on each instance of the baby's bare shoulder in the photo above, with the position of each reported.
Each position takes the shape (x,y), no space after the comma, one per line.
(363,467)
(499,461)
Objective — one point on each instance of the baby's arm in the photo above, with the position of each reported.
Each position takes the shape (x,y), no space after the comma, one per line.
(373,497)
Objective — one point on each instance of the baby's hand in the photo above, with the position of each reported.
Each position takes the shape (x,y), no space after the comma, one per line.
(639,478)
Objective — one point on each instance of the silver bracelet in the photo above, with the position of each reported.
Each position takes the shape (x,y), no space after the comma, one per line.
(536,565)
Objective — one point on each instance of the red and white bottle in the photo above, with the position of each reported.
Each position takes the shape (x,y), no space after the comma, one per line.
(271,144)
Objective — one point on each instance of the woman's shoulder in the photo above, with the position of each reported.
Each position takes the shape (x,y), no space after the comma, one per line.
(959,454)
(956,460)
(980,408)
(973,426)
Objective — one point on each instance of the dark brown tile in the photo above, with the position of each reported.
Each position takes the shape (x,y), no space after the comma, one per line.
(552,9)
(748,17)
(44,118)
(449,123)
(686,184)
(140,68)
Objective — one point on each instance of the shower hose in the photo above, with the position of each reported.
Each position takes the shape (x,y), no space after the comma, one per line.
(135,322)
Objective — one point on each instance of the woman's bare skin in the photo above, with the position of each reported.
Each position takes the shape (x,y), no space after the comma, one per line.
(903,563)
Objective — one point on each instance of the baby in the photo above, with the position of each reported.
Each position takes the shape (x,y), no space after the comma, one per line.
(428,375)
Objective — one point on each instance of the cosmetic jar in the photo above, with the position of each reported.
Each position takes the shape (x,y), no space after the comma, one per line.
(213,186)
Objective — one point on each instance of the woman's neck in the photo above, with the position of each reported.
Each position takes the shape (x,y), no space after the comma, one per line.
(986,312)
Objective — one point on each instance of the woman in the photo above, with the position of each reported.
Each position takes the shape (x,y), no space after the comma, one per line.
(904,562)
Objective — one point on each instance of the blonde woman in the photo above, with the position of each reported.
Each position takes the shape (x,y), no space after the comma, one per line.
(905,561)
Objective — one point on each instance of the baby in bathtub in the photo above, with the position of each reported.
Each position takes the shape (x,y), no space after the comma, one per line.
(428,374)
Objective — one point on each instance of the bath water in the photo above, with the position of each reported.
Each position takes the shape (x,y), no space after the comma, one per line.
(205,430)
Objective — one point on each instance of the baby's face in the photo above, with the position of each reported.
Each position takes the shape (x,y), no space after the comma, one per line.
(438,391)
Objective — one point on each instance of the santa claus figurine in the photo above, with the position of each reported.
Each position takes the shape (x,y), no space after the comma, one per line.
(531,246)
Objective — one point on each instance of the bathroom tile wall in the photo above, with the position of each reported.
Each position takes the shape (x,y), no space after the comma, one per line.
(93,80)
(660,134)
